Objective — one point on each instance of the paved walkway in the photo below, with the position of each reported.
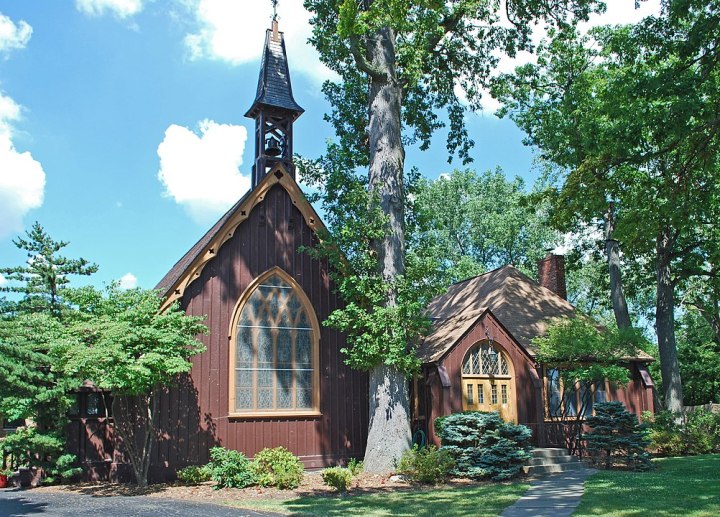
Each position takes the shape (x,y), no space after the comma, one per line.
(555,495)
(19,503)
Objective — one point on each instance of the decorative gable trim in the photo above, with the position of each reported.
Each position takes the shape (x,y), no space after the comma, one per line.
(277,176)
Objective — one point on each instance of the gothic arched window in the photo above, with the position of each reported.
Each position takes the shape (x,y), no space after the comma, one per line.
(274,350)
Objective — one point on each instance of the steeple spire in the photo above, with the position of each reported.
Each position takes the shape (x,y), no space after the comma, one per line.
(274,108)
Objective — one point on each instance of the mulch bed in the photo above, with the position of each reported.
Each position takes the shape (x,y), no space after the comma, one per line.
(312,485)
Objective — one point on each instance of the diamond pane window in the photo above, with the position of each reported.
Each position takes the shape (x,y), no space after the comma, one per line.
(485,360)
(275,349)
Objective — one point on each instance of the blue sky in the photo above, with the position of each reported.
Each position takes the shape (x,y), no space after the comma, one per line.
(122,127)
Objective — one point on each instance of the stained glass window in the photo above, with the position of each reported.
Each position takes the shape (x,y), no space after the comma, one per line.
(274,350)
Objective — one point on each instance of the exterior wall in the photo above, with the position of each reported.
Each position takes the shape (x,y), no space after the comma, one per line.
(635,395)
(195,416)
(445,397)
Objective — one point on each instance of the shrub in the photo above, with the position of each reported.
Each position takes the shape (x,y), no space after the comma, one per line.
(355,466)
(617,438)
(277,467)
(483,445)
(666,436)
(193,475)
(426,465)
(64,468)
(702,432)
(230,468)
(337,477)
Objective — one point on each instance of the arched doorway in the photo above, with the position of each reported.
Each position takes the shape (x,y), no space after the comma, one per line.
(488,381)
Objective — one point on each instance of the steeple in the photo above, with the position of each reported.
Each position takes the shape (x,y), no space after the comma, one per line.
(274,108)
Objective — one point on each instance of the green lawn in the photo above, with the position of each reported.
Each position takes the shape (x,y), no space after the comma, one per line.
(677,486)
(476,501)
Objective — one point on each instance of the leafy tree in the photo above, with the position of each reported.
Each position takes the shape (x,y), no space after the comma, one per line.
(399,61)
(578,360)
(699,357)
(631,111)
(120,341)
(31,388)
(483,221)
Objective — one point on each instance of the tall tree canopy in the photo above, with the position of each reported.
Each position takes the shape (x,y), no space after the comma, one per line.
(400,62)
(632,113)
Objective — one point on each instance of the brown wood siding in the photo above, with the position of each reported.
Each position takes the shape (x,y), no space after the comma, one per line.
(525,389)
(195,415)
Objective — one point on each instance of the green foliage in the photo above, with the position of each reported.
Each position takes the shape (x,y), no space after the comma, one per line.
(230,469)
(277,467)
(355,466)
(194,474)
(666,436)
(437,46)
(699,434)
(483,445)
(426,465)
(699,358)
(122,342)
(337,477)
(377,332)
(64,468)
(617,438)
(42,281)
(477,222)
(32,387)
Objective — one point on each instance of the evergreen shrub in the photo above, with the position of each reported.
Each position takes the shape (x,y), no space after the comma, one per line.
(483,445)
(230,469)
(193,475)
(617,438)
(428,465)
(337,477)
(277,467)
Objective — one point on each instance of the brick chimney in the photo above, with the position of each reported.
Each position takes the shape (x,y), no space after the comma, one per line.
(551,274)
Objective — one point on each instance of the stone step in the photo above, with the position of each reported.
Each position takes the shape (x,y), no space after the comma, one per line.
(549,452)
(535,470)
(538,460)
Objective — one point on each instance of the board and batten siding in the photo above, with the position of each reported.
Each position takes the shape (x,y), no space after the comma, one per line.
(195,415)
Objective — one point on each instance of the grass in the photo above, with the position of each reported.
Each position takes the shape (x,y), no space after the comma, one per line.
(688,486)
(475,501)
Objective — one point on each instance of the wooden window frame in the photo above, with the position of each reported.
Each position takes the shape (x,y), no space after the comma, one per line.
(314,411)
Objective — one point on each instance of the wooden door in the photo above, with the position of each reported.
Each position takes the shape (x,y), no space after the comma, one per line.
(488,383)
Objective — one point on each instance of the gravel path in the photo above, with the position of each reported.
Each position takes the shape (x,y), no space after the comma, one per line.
(19,502)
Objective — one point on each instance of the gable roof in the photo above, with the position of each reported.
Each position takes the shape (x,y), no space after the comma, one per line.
(274,88)
(189,267)
(523,307)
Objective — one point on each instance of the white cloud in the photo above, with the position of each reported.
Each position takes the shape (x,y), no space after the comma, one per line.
(120,8)
(3,281)
(13,36)
(218,35)
(128,281)
(22,179)
(201,171)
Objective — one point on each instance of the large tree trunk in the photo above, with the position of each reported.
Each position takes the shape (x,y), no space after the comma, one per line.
(389,432)
(665,324)
(617,295)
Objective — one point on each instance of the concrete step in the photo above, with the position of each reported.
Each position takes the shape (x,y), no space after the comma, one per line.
(549,452)
(536,470)
(538,460)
